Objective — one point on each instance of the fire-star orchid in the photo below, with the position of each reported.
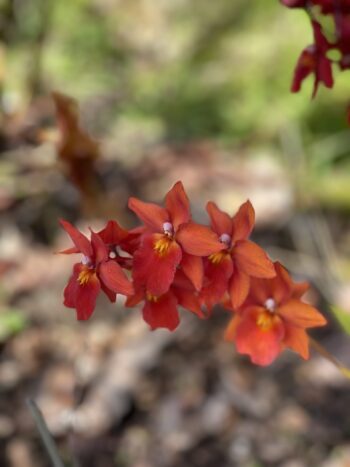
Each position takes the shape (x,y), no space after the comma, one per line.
(97,271)
(171,240)
(240,259)
(273,318)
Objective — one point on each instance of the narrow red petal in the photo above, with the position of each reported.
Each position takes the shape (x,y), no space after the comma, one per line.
(296,339)
(69,251)
(156,270)
(282,284)
(243,222)
(71,289)
(79,240)
(221,222)
(114,278)
(112,296)
(238,288)
(252,259)
(230,331)
(86,297)
(135,299)
(299,289)
(198,240)
(178,205)
(182,281)
(189,301)
(113,233)
(132,242)
(163,313)
(192,267)
(152,215)
(260,291)
(301,314)
(100,249)
(216,280)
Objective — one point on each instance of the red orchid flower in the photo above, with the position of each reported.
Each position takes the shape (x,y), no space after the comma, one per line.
(120,243)
(343,40)
(273,318)
(326,6)
(170,238)
(314,60)
(231,268)
(161,311)
(97,271)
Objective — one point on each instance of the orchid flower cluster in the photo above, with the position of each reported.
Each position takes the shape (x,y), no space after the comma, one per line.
(171,261)
(316,58)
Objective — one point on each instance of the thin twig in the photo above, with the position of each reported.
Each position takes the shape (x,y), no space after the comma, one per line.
(44,434)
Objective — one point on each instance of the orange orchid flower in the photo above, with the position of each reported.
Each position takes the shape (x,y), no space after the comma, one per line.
(232,268)
(170,240)
(161,311)
(273,318)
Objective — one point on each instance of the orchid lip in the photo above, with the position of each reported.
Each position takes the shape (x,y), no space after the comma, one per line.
(225,238)
(168,228)
(270,305)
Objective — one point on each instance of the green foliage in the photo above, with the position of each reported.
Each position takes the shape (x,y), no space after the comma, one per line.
(197,69)
(11,322)
(343,318)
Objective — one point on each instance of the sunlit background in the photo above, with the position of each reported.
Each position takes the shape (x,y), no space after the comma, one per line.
(197,91)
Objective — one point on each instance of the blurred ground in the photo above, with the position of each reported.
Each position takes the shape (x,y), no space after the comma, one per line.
(172,90)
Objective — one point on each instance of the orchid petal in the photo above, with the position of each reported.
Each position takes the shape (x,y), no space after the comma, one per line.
(79,240)
(114,278)
(230,331)
(243,222)
(281,285)
(69,251)
(263,346)
(86,297)
(296,339)
(189,301)
(238,288)
(252,259)
(198,240)
(221,222)
(112,296)
(178,205)
(113,234)
(100,249)
(301,314)
(162,313)
(152,215)
(192,267)
(216,280)
(70,291)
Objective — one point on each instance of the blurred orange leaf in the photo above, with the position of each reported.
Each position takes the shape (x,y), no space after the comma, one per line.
(77,150)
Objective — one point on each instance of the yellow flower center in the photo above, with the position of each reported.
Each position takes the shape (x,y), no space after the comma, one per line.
(216,258)
(162,245)
(151,298)
(265,320)
(84,276)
